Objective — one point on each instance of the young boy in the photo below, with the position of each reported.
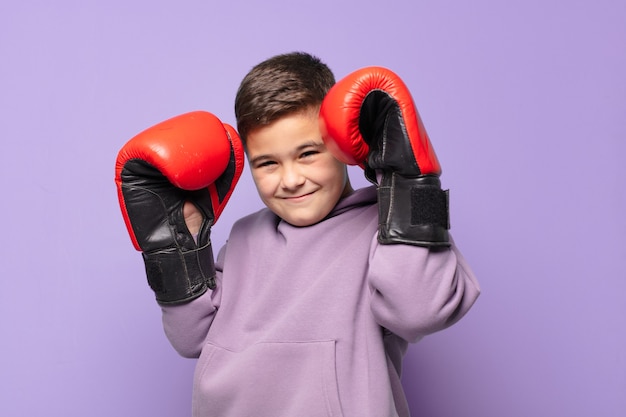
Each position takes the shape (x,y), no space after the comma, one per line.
(311,304)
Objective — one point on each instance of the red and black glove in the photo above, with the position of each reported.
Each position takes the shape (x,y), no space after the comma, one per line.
(369,119)
(192,157)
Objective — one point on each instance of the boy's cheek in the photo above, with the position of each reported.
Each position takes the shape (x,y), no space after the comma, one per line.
(262,183)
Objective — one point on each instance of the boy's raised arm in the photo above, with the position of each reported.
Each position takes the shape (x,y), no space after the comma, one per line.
(419,279)
(417,291)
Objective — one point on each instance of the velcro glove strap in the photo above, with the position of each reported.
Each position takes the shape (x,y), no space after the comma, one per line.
(179,275)
(413,211)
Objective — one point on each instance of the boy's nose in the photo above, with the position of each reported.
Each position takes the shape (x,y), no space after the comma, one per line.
(292,177)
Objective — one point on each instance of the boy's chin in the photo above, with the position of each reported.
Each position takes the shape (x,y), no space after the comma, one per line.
(302,221)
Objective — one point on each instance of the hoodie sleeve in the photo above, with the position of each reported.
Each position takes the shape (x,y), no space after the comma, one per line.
(417,291)
(187,325)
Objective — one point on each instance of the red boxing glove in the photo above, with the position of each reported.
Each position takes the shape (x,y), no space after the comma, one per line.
(192,157)
(369,119)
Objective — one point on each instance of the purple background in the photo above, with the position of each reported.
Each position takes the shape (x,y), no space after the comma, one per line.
(525,102)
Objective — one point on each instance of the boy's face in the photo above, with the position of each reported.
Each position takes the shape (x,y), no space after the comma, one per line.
(295,175)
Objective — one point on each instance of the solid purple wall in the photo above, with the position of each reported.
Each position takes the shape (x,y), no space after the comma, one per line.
(525,102)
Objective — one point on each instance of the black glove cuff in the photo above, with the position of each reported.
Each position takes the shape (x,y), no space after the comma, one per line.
(413,211)
(180,275)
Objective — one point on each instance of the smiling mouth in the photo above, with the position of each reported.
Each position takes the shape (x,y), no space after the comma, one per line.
(298,197)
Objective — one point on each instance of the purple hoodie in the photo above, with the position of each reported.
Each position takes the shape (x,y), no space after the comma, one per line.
(315,321)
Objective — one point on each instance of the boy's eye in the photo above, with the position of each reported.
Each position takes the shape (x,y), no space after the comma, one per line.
(308,153)
(265,164)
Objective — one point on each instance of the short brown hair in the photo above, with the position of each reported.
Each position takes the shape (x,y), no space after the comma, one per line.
(281,85)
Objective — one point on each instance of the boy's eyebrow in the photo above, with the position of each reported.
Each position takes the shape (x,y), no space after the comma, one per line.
(256,159)
(310,144)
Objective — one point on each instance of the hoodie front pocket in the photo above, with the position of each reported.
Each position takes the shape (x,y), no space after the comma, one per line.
(269,379)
